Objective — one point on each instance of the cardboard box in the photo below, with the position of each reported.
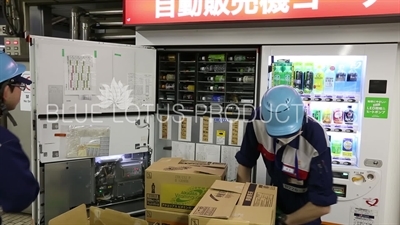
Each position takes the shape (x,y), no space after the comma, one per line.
(162,217)
(231,203)
(177,185)
(78,216)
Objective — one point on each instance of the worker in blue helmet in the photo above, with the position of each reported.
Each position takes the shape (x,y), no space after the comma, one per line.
(296,152)
(18,186)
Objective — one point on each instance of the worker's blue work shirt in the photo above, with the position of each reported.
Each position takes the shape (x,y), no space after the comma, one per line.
(18,186)
(301,169)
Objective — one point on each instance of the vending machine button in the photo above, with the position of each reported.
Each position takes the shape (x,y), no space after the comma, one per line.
(370,176)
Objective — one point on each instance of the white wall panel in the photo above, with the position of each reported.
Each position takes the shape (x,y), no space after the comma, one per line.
(368,33)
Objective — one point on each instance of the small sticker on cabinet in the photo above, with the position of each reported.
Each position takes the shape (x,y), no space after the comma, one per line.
(220,137)
(363,216)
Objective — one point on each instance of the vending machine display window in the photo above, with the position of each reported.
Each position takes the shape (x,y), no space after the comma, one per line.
(331,90)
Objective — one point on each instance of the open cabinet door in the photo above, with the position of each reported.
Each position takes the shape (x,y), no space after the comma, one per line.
(346,88)
(72,77)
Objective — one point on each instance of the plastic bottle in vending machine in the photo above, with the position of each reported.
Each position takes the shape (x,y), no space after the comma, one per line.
(327,116)
(206,98)
(216,88)
(336,146)
(352,74)
(298,76)
(348,115)
(308,78)
(341,74)
(317,114)
(276,74)
(329,80)
(347,147)
(287,74)
(217,98)
(220,78)
(338,116)
(319,80)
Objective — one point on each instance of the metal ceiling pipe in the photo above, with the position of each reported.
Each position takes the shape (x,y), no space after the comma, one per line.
(86,24)
(105,12)
(76,13)
(113,36)
(58,19)
(110,24)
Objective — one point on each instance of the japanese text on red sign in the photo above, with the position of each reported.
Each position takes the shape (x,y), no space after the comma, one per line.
(198,8)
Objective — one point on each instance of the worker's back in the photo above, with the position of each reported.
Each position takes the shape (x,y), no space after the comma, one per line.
(18,187)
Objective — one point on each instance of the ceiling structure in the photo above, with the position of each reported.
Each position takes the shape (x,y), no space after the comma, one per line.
(62,13)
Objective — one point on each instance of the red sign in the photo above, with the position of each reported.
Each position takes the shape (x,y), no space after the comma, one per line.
(147,12)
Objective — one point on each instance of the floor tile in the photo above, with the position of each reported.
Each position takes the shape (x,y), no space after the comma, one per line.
(16,219)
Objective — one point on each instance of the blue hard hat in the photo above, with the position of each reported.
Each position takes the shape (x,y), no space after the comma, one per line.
(9,69)
(282,110)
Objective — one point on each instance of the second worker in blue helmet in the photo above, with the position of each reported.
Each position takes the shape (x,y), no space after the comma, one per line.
(296,151)
(18,186)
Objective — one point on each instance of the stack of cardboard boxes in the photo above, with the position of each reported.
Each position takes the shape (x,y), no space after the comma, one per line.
(174,186)
(185,192)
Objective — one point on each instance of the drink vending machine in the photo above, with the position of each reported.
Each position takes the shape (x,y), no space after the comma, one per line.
(352,90)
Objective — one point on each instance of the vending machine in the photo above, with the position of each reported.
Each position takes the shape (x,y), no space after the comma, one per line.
(352,90)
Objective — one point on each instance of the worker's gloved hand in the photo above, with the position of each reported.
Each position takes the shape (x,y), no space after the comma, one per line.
(278,215)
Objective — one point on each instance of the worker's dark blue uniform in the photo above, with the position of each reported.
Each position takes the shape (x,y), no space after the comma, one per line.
(301,169)
(18,186)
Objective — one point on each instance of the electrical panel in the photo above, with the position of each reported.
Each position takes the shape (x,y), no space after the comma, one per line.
(109,181)
(120,177)
(15,46)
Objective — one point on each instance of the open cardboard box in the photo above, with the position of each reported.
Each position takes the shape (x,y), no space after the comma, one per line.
(162,217)
(78,216)
(177,185)
(232,203)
